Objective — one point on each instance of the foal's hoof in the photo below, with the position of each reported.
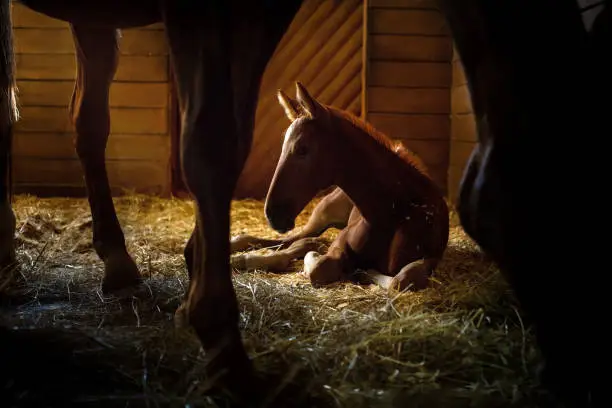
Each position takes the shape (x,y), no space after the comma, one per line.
(240,243)
(322,270)
(414,276)
(120,272)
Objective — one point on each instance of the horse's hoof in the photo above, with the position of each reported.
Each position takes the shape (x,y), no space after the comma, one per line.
(8,263)
(181,318)
(9,273)
(238,262)
(240,243)
(322,270)
(120,272)
(413,277)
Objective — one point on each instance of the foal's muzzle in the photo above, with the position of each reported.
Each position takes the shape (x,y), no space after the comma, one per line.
(279,217)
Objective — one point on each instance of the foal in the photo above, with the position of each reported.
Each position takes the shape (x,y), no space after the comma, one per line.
(397,229)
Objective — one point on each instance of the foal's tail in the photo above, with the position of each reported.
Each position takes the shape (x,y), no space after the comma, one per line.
(9,114)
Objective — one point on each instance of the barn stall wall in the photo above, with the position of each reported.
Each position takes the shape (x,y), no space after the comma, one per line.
(323,49)
(463,128)
(44,160)
(386,60)
(408,78)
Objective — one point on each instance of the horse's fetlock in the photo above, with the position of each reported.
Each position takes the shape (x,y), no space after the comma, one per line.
(8,223)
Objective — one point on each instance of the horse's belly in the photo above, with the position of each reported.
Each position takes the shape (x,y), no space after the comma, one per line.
(109,13)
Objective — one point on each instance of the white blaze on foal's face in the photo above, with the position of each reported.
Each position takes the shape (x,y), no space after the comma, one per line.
(294,144)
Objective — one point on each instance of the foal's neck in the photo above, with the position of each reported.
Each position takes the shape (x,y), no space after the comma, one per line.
(374,176)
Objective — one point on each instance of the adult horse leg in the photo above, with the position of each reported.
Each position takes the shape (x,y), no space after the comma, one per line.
(8,116)
(97,55)
(219,52)
(7,216)
(331,212)
(509,186)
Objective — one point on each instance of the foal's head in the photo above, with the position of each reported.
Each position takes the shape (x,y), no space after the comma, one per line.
(307,163)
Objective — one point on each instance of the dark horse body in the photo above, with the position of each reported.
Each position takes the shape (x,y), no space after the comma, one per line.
(394,217)
(520,89)
(219,51)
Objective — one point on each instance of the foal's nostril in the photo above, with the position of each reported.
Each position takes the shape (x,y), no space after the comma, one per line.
(279,217)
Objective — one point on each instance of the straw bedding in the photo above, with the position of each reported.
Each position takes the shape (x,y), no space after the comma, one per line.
(460,343)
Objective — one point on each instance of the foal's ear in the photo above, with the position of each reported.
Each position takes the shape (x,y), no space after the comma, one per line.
(291,106)
(312,107)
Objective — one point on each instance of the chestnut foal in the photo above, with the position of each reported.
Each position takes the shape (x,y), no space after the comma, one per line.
(394,218)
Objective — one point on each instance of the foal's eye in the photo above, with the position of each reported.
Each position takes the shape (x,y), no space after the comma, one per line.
(301,151)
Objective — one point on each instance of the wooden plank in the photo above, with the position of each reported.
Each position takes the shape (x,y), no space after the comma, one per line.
(455,174)
(409,4)
(123,120)
(460,152)
(316,68)
(119,147)
(432,152)
(59,41)
(410,74)
(133,68)
(407,22)
(365,59)
(43,41)
(458,74)
(409,100)
(66,190)
(24,17)
(143,68)
(126,174)
(439,175)
(463,127)
(415,127)
(122,94)
(460,99)
(143,42)
(306,42)
(410,48)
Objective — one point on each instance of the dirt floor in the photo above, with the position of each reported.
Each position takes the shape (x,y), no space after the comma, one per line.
(461,343)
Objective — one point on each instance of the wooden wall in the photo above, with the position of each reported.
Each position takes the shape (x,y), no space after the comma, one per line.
(139,147)
(386,60)
(463,129)
(323,49)
(408,78)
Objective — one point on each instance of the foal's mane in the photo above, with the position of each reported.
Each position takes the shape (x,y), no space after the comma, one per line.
(395,147)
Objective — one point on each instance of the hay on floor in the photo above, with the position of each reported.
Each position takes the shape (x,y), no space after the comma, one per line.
(460,343)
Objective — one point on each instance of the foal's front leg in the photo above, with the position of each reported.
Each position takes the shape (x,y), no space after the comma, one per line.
(332,266)
(332,211)
(278,261)
(97,57)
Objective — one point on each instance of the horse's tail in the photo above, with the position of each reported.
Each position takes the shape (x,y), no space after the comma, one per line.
(9,114)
